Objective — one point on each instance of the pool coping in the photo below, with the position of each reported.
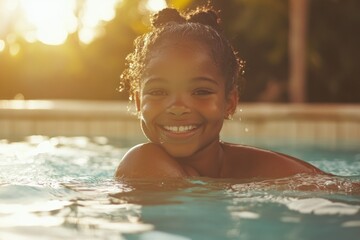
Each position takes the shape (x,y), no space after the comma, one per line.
(332,124)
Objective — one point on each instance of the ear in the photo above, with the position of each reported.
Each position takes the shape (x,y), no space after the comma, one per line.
(232,100)
(137,100)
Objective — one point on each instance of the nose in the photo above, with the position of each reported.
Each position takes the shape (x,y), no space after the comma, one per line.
(178,104)
(178,110)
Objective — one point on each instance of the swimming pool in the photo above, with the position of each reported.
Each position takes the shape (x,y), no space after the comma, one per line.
(63,187)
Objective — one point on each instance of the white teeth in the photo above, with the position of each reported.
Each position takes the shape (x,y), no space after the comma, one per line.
(180,128)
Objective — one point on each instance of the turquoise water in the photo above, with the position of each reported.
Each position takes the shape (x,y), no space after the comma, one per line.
(62,188)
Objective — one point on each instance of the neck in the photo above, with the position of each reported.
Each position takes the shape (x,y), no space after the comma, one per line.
(207,161)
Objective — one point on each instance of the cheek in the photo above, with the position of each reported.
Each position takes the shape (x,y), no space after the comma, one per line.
(148,108)
(147,115)
(213,109)
(146,131)
(145,123)
(149,112)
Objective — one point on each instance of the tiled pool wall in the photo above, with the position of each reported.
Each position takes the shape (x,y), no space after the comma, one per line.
(329,126)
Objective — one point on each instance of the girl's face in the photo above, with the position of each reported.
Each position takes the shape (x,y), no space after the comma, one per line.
(182,99)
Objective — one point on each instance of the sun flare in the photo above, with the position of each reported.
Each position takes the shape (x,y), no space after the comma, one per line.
(51,21)
(156,5)
(2,45)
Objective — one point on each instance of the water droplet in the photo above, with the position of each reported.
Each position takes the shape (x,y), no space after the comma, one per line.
(121,87)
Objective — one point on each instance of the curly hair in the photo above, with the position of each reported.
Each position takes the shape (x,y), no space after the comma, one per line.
(202,25)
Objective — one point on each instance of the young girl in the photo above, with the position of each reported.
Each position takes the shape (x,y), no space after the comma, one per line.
(183,77)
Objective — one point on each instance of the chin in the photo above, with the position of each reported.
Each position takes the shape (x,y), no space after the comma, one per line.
(178,151)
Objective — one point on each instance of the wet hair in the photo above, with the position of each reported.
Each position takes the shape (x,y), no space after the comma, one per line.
(202,25)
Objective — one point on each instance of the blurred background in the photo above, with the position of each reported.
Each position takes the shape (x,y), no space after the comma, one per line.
(296,51)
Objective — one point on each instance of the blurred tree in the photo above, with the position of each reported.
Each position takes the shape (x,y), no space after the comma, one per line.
(334,51)
(259,30)
(297,50)
(73,70)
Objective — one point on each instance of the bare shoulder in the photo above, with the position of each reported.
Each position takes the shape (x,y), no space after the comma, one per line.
(251,162)
(148,160)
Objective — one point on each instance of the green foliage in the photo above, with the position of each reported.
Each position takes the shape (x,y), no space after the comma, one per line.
(257,28)
(259,31)
(334,51)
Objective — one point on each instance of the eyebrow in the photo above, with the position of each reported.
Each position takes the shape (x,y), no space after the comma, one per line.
(206,79)
(152,80)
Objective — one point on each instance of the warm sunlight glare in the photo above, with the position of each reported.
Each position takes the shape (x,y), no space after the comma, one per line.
(156,5)
(14,49)
(92,14)
(2,45)
(51,21)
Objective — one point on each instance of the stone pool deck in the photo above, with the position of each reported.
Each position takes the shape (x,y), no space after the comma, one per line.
(329,126)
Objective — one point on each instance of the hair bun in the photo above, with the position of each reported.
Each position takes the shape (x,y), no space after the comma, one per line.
(165,16)
(207,17)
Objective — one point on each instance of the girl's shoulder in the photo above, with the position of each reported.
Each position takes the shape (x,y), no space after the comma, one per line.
(148,160)
(252,162)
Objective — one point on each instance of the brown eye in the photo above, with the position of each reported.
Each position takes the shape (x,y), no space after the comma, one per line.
(202,92)
(157,92)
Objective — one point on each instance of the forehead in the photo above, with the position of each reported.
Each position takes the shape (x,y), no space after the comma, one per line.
(184,43)
(183,53)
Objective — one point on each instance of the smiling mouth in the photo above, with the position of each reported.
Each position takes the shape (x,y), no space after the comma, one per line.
(180,129)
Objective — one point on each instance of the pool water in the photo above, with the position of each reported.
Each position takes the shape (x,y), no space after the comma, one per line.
(63,188)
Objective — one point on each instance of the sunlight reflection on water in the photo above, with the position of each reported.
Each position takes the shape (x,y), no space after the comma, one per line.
(64,188)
